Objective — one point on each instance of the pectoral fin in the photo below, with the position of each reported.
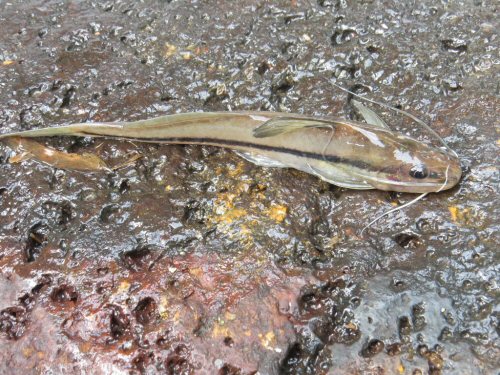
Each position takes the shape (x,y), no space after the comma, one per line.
(336,176)
(369,116)
(280,125)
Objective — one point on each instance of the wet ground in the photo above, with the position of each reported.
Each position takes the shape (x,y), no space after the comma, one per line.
(193,261)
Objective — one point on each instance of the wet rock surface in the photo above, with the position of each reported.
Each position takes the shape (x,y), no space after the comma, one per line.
(190,260)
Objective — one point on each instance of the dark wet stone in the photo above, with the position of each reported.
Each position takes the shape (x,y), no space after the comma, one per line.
(372,348)
(467,285)
(451,84)
(454,45)
(422,350)
(139,258)
(228,369)
(394,349)
(419,322)
(195,212)
(448,316)
(146,311)
(64,293)
(178,362)
(31,117)
(129,39)
(13,322)
(342,35)
(68,96)
(398,284)
(434,359)
(418,318)
(263,67)
(311,301)
(118,322)
(37,239)
(43,32)
(446,334)
(404,327)
(77,40)
(108,212)
(228,341)
(300,359)
(27,301)
(143,361)
(407,240)
(59,213)
(424,226)
(283,82)
(124,186)
(42,282)
(418,309)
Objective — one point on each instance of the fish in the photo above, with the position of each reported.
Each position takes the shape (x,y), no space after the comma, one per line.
(346,153)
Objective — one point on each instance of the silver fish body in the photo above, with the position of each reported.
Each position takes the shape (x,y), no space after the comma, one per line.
(345,153)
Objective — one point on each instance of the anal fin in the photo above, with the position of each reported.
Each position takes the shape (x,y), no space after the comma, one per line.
(260,160)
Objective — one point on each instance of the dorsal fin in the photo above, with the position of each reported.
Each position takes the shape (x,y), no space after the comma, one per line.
(370,116)
(280,125)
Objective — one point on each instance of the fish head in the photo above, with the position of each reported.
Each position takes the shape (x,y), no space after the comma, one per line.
(414,167)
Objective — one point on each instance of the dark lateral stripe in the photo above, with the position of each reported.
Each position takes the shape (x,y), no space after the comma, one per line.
(232,143)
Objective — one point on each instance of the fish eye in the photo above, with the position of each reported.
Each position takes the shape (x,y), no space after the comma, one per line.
(419,171)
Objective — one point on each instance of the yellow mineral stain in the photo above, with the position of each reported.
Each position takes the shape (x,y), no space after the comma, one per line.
(225,210)
(351,325)
(229,316)
(124,286)
(268,340)
(85,346)
(218,171)
(225,201)
(230,215)
(245,231)
(168,188)
(170,50)
(498,142)
(236,171)
(468,216)
(7,62)
(334,241)
(401,369)
(277,212)
(163,307)
(177,316)
(453,212)
(197,272)
(220,331)
(28,351)
(460,215)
